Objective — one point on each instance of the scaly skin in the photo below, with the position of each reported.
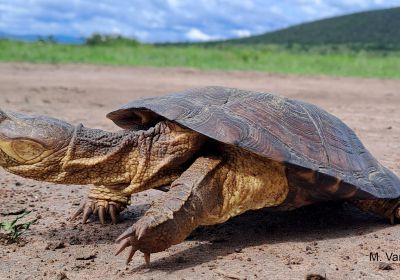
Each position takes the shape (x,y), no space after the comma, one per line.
(117,164)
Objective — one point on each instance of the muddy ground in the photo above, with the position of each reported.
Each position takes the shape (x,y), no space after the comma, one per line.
(330,239)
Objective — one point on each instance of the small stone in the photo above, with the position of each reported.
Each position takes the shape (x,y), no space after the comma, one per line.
(62,276)
(238,250)
(312,276)
(294,260)
(87,256)
(385,266)
(76,203)
(54,245)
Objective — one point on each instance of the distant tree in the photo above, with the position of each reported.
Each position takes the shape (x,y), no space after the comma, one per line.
(94,40)
(47,40)
(51,39)
(106,40)
(41,39)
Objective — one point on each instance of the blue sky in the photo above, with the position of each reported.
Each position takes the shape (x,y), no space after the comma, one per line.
(169,20)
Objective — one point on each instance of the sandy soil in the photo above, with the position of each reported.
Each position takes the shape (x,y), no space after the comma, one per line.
(330,239)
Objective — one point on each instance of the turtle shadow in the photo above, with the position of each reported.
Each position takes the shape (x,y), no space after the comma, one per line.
(307,224)
(92,233)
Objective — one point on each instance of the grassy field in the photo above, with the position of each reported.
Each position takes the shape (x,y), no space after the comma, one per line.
(272,59)
(373,29)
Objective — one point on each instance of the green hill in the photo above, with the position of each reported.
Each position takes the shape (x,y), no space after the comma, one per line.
(378,27)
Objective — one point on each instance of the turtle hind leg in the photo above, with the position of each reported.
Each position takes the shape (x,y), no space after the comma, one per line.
(388,208)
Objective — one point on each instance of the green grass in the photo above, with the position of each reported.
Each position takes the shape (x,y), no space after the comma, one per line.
(14,230)
(268,58)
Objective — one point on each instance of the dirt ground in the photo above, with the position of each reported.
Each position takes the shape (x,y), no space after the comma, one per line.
(330,239)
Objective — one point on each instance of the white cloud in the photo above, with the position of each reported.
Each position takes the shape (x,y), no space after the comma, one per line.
(169,20)
(241,33)
(195,34)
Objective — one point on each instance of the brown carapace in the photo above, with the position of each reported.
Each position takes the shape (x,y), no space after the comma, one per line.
(321,152)
(219,152)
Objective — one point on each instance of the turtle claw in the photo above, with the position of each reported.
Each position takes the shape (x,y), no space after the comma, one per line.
(129,238)
(86,213)
(123,246)
(141,232)
(113,214)
(127,233)
(141,236)
(132,252)
(102,214)
(77,213)
(130,242)
(98,207)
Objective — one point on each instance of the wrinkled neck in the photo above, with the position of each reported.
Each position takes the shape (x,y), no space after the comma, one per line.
(99,157)
(129,160)
(89,147)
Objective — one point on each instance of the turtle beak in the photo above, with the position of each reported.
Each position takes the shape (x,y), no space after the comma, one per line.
(29,139)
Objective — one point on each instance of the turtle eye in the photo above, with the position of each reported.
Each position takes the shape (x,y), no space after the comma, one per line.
(26,149)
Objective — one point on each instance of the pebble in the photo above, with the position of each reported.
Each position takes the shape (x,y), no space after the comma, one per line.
(385,266)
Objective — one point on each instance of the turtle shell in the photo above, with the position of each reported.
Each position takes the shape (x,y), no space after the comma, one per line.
(294,132)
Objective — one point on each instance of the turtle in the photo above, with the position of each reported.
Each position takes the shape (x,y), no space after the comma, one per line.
(216,152)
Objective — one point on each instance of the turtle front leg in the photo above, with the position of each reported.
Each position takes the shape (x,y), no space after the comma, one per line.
(193,197)
(102,201)
(388,208)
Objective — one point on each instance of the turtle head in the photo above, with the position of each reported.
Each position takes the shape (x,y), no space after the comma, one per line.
(30,145)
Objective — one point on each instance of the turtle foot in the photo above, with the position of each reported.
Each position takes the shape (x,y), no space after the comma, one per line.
(132,243)
(99,207)
(145,237)
(102,202)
